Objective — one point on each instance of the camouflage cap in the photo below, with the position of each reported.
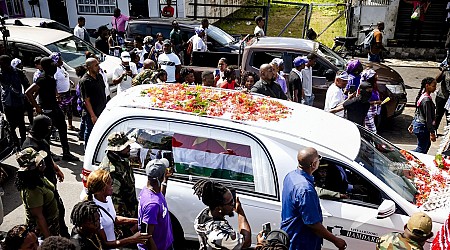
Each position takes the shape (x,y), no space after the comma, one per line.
(420,224)
(118,141)
(29,158)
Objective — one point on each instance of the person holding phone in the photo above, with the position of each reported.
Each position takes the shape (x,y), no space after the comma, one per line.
(214,231)
(124,73)
(153,218)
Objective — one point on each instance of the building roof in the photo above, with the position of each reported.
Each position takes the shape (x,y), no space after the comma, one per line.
(285,43)
(37,35)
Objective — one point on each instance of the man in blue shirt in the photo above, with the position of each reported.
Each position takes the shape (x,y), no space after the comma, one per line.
(301,215)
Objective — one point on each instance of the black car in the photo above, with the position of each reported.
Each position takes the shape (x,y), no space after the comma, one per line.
(218,40)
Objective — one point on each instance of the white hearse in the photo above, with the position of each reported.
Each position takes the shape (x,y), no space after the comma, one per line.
(254,156)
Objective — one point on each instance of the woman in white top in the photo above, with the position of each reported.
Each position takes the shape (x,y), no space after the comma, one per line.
(99,185)
(218,73)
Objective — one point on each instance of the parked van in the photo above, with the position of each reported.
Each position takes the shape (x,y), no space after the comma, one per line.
(253,152)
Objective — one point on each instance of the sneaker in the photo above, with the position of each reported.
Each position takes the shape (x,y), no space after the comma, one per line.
(70,157)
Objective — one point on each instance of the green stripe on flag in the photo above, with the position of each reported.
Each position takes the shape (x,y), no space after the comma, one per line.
(182,168)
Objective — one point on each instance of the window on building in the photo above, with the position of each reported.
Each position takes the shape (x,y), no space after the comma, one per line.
(14,7)
(96,6)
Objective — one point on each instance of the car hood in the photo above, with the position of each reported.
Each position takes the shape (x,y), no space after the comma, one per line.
(386,74)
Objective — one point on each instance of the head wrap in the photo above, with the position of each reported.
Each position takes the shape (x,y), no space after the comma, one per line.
(15,62)
(368,74)
(199,30)
(353,65)
(55,56)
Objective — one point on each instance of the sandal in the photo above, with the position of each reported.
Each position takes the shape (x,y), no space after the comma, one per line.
(72,128)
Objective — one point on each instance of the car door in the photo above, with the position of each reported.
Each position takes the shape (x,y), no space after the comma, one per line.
(200,151)
(355,219)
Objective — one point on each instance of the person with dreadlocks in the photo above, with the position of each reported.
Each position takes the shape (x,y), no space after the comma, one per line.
(214,231)
(153,206)
(20,237)
(37,192)
(85,217)
(423,123)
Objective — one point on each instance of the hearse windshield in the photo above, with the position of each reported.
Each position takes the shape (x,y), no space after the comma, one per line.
(385,161)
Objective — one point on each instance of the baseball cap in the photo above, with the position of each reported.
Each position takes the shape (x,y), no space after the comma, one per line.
(343,76)
(156,168)
(125,56)
(277,61)
(167,42)
(148,39)
(259,18)
(368,74)
(420,224)
(299,60)
(279,236)
(118,141)
(29,158)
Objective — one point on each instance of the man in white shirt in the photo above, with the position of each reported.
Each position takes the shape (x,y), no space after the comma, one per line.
(124,73)
(197,41)
(80,31)
(169,62)
(308,96)
(335,95)
(259,29)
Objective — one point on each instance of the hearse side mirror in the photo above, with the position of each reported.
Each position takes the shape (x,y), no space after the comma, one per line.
(386,209)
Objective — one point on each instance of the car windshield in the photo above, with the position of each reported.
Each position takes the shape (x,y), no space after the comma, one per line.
(331,56)
(386,162)
(73,50)
(219,35)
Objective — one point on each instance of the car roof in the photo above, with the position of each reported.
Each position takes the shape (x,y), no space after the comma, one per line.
(29,21)
(167,21)
(285,43)
(36,34)
(309,123)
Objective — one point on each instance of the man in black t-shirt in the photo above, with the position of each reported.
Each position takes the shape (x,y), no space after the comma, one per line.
(266,85)
(92,88)
(45,86)
(295,79)
(356,108)
(101,43)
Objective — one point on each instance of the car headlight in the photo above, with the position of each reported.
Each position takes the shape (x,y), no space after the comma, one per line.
(395,89)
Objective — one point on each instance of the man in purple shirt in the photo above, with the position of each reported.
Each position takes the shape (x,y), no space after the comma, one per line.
(152,210)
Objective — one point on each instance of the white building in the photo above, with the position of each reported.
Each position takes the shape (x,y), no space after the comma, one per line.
(96,12)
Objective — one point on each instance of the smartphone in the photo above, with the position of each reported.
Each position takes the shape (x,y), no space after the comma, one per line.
(233,193)
(216,72)
(144,228)
(266,229)
(127,68)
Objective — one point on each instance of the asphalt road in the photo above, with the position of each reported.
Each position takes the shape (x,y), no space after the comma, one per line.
(396,131)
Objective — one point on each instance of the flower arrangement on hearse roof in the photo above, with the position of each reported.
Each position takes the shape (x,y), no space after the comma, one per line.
(205,101)
(432,184)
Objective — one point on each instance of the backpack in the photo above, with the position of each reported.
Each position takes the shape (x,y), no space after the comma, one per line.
(369,40)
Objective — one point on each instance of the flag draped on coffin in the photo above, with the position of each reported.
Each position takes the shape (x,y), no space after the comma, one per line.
(212,158)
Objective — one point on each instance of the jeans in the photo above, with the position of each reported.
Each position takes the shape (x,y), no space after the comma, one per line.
(374,57)
(423,137)
(308,100)
(87,129)
(59,122)
(15,118)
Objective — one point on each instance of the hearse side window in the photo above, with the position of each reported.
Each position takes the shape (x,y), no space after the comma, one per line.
(335,177)
(198,152)
(26,53)
(261,57)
